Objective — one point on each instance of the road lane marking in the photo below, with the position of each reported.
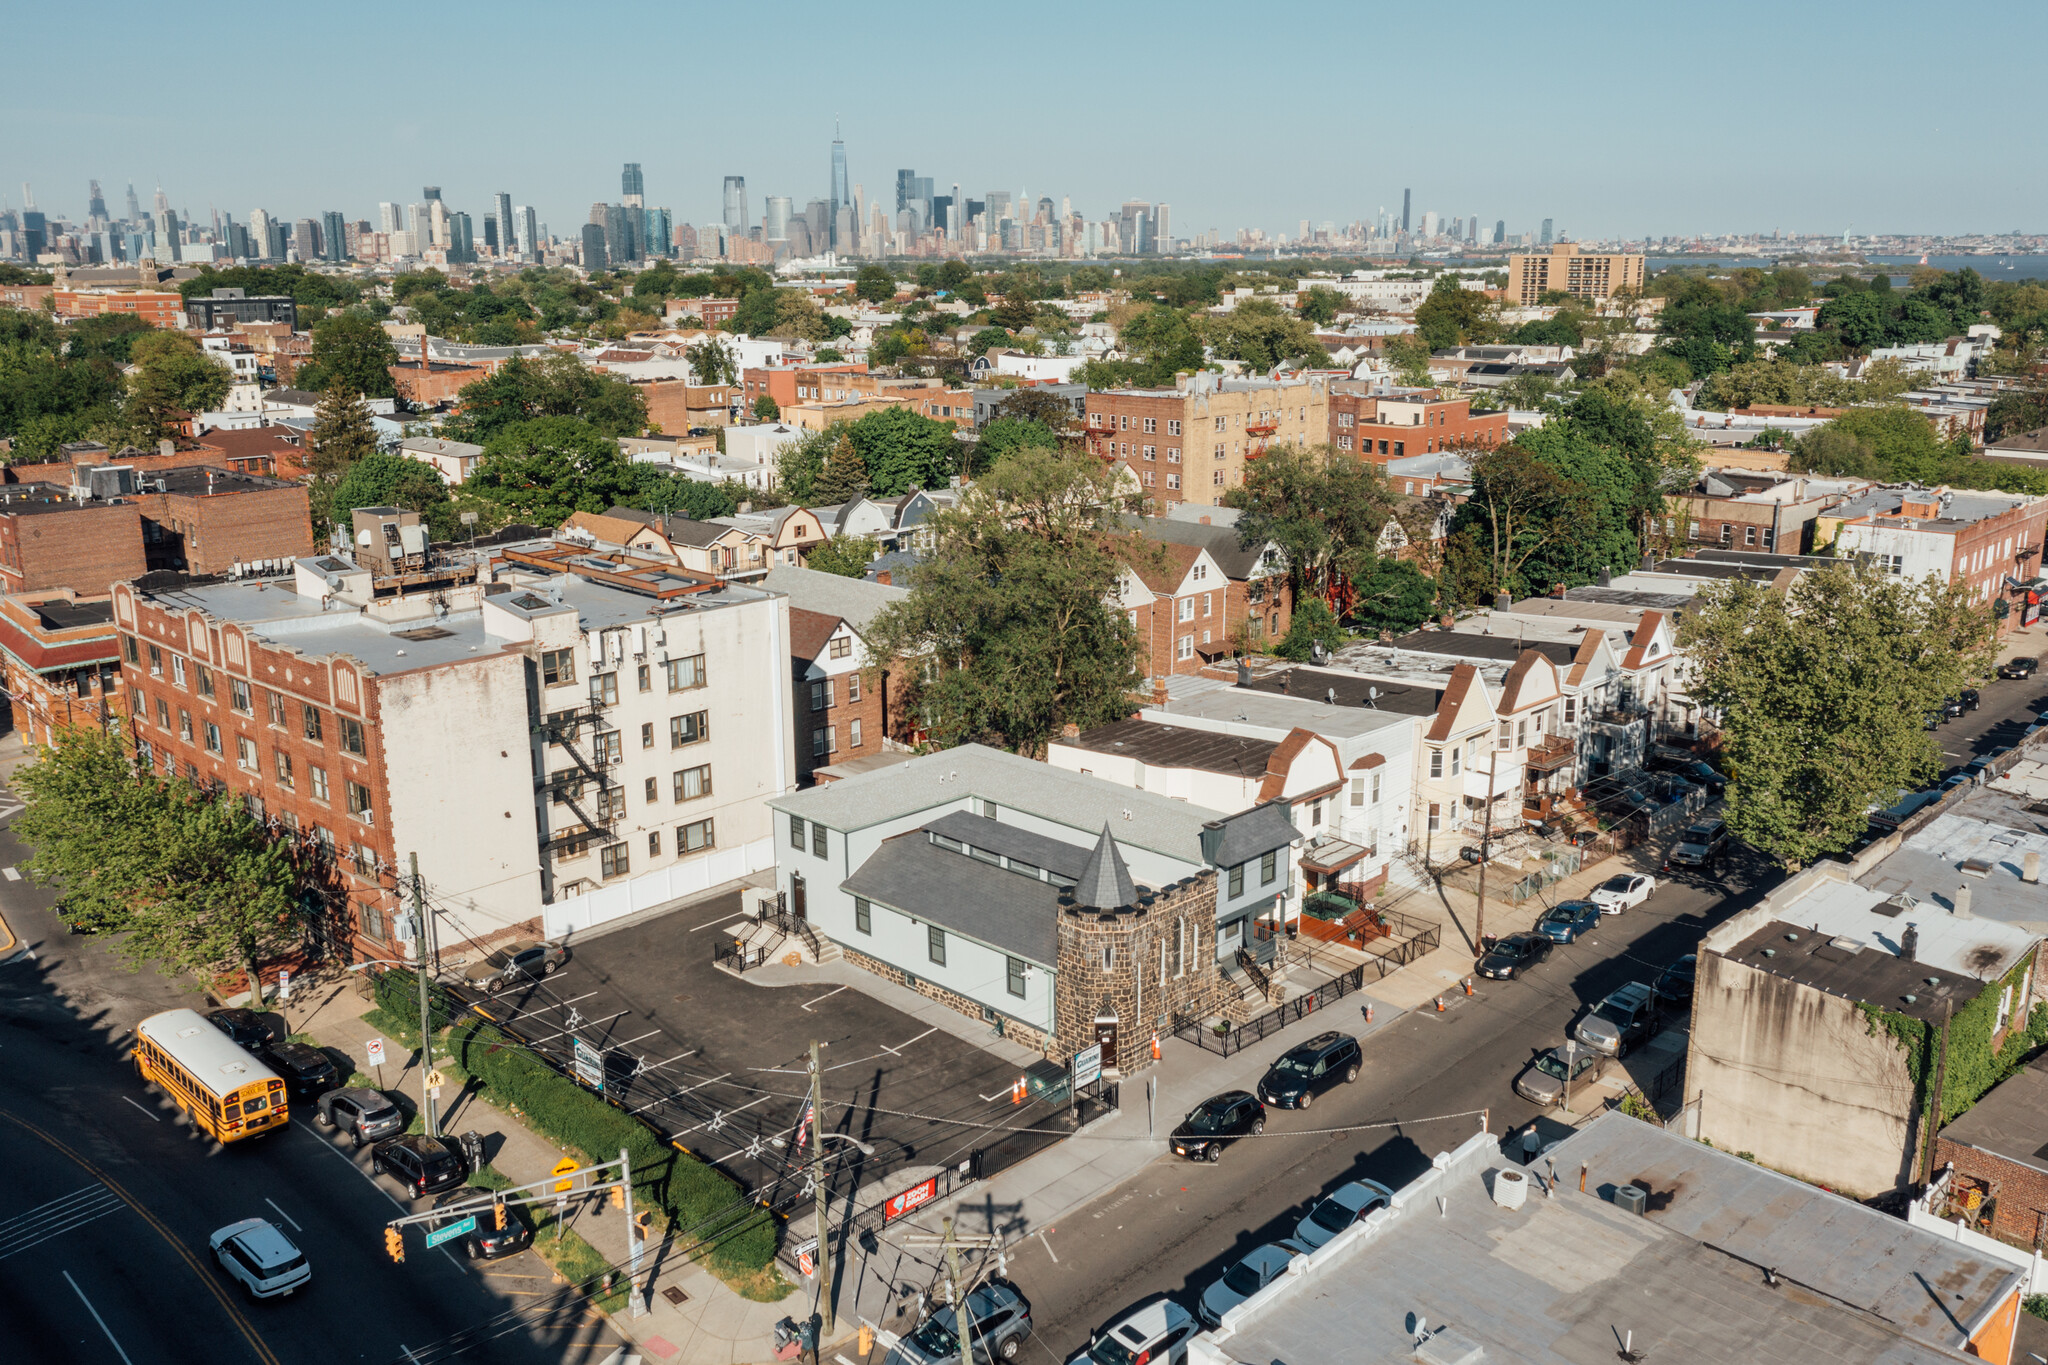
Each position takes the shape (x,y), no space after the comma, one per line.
(328,1146)
(12,874)
(1048,1248)
(152,1117)
(282,1214)
(56,1218)
(96,1317)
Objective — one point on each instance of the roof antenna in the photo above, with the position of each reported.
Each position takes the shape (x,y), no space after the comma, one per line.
(1372,697)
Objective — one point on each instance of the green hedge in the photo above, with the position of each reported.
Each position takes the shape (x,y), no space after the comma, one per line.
(706,1206)
(398,995)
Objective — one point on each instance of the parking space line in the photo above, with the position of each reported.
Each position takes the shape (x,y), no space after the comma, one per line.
(94,1311)
(893,1051)
(673,1060)
(14,875)
(282,1214)
(722,919)
(651,1033)
(742,1109)
(564,1004)
(826,996)
(593,1026)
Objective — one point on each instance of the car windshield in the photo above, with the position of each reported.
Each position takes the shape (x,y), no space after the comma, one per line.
(1511,948)
(1617,883)
(937,1337)
(1615,1014)
(501,958)
(1209,1117)
(1550,1065)
(1331,1216)
(286,1266)
(1300,1064)
(1107,1350)
(1563,914)
(1241,1279)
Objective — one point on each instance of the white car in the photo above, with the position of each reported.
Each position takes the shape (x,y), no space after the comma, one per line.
(259,1255)
(1622,890)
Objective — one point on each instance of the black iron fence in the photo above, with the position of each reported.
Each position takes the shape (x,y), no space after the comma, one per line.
(737,957)
(1223,1038)
(1407,940)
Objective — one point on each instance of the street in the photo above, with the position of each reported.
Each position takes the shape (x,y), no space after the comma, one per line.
(2007,709)
(1193,1220)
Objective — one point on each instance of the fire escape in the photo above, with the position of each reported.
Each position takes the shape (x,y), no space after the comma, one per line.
(594,758)
(1260,430)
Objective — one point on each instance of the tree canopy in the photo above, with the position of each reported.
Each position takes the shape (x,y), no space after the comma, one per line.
(544,470)
(1321,507)
(903,451)
(548,386)
(173,378)
(351,350)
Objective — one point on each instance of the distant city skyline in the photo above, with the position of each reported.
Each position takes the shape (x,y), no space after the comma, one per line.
(1836,141)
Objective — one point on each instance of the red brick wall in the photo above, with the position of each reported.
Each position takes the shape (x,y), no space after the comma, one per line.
(1120,436)
(873,711)
(1160,628)
(442,383)
(86,548)
(223,529)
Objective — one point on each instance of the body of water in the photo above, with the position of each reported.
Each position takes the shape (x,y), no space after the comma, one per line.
(2009,268)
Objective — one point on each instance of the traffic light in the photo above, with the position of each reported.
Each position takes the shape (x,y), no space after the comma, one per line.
(498,1216)
(641,1218)
(618,1196)
(394,1243)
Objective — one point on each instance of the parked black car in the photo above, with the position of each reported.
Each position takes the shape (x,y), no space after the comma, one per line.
(1306,1071)
(424,1165)
(488,1241)
(1513,955)
(1674,984)
(307,1070)
(244,1028)
(1217,1122)
(2022,667)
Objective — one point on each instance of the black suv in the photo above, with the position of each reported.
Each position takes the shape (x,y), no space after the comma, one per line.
(422,1164)
(1510,957)
(1304,1072)
(1217,1122)
(244,1028)
(307,1070)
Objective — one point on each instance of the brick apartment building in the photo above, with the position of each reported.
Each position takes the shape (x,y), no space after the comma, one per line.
(436,383)
(50,540)
(1588,275)
(1382,426)
(1992,542)
(843,706)
(58,662)
(203,520)
(788,384)
(157,307)
(675,405)
(1190,443)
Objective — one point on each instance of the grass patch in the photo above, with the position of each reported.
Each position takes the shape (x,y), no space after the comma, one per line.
(578,1262)
(395,1027)
(488,1177)
(765,1285)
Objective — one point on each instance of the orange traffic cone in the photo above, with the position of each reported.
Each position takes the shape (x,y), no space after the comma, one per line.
(1468,985)
(1439,1004)
(1017,1091)
(1155,1047)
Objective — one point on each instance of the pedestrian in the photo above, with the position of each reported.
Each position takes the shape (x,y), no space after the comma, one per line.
(1531,1143)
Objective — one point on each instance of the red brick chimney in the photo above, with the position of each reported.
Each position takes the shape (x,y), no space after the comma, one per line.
(1159,691)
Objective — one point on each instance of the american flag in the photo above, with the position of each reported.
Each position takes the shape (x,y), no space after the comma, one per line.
(803,1127)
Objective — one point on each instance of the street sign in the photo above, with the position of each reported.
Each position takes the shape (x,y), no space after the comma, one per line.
(565,1167)
(452,1231)
(803,1262)
(1087,1065)
(374,1050)
(435,1079)
(923,1192)
(589,1066)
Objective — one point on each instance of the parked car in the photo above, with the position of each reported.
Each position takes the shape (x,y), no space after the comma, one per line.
(244,1028)
(1253,1272)
(1545,1080)
(1620,1021)
(1155,1332)
(1347,1204)
(365,1115)
(1674,983)
(1969,699)
(307,1070)
(488,1241)
(423,1165)
(1566,920)
(1694,770)
(1513,955)
(2022,667)
(1622,890)
(1307,1070)
(1217,1122)
(258,1256)
(1700,846)
(525,960)
(998,1324)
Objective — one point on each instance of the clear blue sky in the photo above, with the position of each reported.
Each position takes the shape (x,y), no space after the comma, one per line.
(1610,118)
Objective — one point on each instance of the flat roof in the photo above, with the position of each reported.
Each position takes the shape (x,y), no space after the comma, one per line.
(1414,695)
(1979,840)
(1257,708)
(1177,746)
(58,614)
(2011,1121)
(1568,1278)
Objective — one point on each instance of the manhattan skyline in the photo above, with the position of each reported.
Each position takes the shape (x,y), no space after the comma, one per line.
(1838,132)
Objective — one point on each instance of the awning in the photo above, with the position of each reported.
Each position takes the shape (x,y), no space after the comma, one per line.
(1332,855)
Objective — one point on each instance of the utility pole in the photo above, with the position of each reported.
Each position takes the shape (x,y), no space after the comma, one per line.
(1486,839)
(635,1293)
(419,929)
(818,1197)
(1933,1114)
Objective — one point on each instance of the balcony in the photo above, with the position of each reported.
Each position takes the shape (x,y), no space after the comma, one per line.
(1261,426)
(1619,720)
(1556,751)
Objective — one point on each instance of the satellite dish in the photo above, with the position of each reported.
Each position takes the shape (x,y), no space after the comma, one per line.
(334,582)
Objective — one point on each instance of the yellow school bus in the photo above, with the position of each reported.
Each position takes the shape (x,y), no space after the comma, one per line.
(226,1091)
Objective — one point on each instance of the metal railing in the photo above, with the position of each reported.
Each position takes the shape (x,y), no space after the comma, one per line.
(1407,940)
(737,957)
(1249,965)
(1223,1040)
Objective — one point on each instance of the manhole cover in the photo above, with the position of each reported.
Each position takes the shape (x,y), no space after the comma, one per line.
(674,1295)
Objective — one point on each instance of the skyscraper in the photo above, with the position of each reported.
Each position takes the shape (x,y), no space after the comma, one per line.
(96,203)
(840,199)
(430,193)
(306,239)
(1544,240)
(527,237)
(657,236)
(775,224)
(168,232)
(906,188)
(260,236)
(334,236)
(593,247)
(387,218)
(461,238)
(736,205)
(1406,199)
(632,193)
(1500,231)
(134,208)
(506,237)
(1162,228)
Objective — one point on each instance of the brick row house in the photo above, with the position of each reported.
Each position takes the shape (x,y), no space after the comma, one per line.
(1190,443)
(1215,595)
(846,702)
(58,668)
(1381,425)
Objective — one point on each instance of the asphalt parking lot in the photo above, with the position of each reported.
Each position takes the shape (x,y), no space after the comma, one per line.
(718,1063)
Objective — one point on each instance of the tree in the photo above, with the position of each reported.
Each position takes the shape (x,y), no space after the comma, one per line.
(954,273)
(712,362)
(1262,335)
(1896,442)
(1013,615)
(548,386)
(1317,504)
(1453,314)
(342,433)
(110,336)
(766,409)
(1822,690)
(1520,507)
(547,469)
(904,452)
(986,340)
(1393,595)
(380,480)
(89,823)
(845,475)
(2016,411)
(1706,328)
(1319,304)
(1312,624)
(1036,405)
(1006,434)
(797,317)
(847,556)
(798,464)
(655,489)
(874,284)
(1409,355)
(173,378)
(353,351)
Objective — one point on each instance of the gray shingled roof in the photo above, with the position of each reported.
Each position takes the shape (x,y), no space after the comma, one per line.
(1105,883)
(1253,833)
(854,600)
(1230,553)
(1003,909)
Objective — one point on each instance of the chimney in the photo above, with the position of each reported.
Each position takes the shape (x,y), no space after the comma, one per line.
(2030,867)
(1961,907)
(1502,602)
(166,447)
(1159,691)
(1204,521)
(1909,943)
(1070,731)
(883,578)
(1557,590)
(1648,564)
(1244,674)
(1606,578)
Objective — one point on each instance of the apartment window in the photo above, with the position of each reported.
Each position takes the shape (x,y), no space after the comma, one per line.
(852,688)
(693,837)
(1219,450)
(204,677)
(1456,754)
(1186,649)
(609,747)
(277,711)
(557,666)
(1013,976)
(1436,817)
(863,915)
(129,651)
(821,694)
(574,844)
(1400,448)
(317,781)
(359,804)
(604,689)
(652,790)
(614,860)
(156,662)
(1173,454)
(688,729)
(853,734)
(238,696)
(1237,881)
(351,736)
(212,737)
(1173,480)
(841,646)
(245,753)
(311,728)
(1217,480)
(1571,710)
(820,840)
(1357,791)
(684,674)
(163,714)
(1376,789)
(1173,426)
(1749,535)
(935,944)
(1150,478)
(1727,534)
(1436,762)
(647,735)
(1269,868)
(691,784)
(1187,608)
(1219,427)
(1151,425)
(178,669)
(284,768)
(1151,452)
(644,676)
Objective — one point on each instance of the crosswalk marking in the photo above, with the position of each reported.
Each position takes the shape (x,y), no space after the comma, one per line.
(10,873)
